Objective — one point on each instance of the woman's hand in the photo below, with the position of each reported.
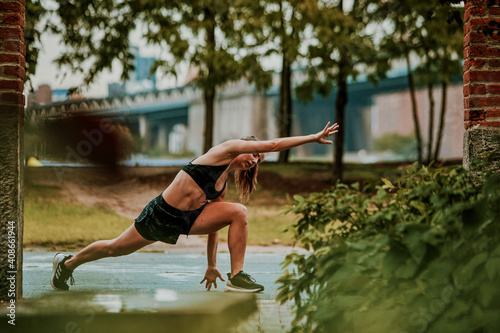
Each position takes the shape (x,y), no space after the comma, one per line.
(321,137)
(211,276)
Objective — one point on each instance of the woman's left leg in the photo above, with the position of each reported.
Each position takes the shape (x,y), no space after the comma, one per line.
(128,242)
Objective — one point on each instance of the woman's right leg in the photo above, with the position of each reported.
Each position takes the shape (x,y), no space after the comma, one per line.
(128,242)
(218,215)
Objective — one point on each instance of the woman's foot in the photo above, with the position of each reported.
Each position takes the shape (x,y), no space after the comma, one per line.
(61,274)
(243,283)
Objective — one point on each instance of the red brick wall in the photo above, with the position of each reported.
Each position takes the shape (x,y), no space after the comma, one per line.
(12,64)
(482,63)
(12,53)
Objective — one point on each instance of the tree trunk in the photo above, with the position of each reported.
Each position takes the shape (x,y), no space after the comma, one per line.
(340,106)
(431,122)
(444,87)
(208,131)
(285,107)
(411,84)
(285,98)
(209,90)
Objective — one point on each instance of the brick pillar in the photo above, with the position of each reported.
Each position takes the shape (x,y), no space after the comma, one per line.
(481,80)
(12,66)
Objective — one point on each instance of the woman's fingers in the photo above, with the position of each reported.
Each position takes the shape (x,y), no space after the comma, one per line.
(331,129)
(208,285)
(334,126)
(212,280)
(325,130)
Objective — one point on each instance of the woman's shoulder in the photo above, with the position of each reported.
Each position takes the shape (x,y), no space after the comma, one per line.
(217,155)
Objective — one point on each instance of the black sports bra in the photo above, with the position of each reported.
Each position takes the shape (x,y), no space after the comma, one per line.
(206,177)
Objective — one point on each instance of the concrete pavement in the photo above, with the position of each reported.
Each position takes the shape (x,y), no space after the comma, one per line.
(180,272)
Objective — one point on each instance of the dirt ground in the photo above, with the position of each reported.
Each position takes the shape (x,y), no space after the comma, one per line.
(127,190)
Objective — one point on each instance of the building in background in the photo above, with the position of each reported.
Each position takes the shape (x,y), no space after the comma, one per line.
(378,126)
(45,95)
(140,80)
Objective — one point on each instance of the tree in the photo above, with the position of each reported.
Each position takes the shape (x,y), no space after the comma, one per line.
(425,32)
(343,48)
(441,51)
(203,33)
(284,23)
(34,12)
(400,40)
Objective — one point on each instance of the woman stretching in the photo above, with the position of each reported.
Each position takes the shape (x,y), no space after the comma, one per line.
(193,204)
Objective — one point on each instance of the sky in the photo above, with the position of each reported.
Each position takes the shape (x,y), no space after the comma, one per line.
(59,78)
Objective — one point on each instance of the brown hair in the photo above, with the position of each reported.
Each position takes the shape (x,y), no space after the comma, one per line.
(246,179)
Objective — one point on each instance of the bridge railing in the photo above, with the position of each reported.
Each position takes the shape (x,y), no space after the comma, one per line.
(94,105)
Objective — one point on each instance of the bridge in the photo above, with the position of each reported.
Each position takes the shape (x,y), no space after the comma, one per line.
(151,115)
(155,116)
(164,119)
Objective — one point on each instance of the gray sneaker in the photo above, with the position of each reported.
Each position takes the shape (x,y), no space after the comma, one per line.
(243,283)
(60,274)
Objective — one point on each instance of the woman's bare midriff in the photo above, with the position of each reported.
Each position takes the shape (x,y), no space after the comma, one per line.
(184,194)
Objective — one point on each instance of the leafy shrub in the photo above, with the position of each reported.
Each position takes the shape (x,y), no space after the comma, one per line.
(419,255)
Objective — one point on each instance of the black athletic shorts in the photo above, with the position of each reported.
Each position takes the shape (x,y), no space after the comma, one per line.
(159,221)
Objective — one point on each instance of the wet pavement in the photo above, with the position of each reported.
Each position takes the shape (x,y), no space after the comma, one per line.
(146,273)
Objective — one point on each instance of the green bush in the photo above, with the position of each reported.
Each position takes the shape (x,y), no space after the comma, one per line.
(419,255)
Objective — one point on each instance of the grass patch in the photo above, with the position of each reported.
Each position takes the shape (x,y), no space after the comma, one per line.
(266,226)
(297,169)
(50,219)
(369,171)
(323,170)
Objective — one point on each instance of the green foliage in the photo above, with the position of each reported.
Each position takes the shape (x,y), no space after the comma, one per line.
(427,30)
(342,46)
(95,33)
(421,254)
(34,12)
(206,34)
(441,48)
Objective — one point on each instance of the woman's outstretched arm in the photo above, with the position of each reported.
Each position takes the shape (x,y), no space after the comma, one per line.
(236,147)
